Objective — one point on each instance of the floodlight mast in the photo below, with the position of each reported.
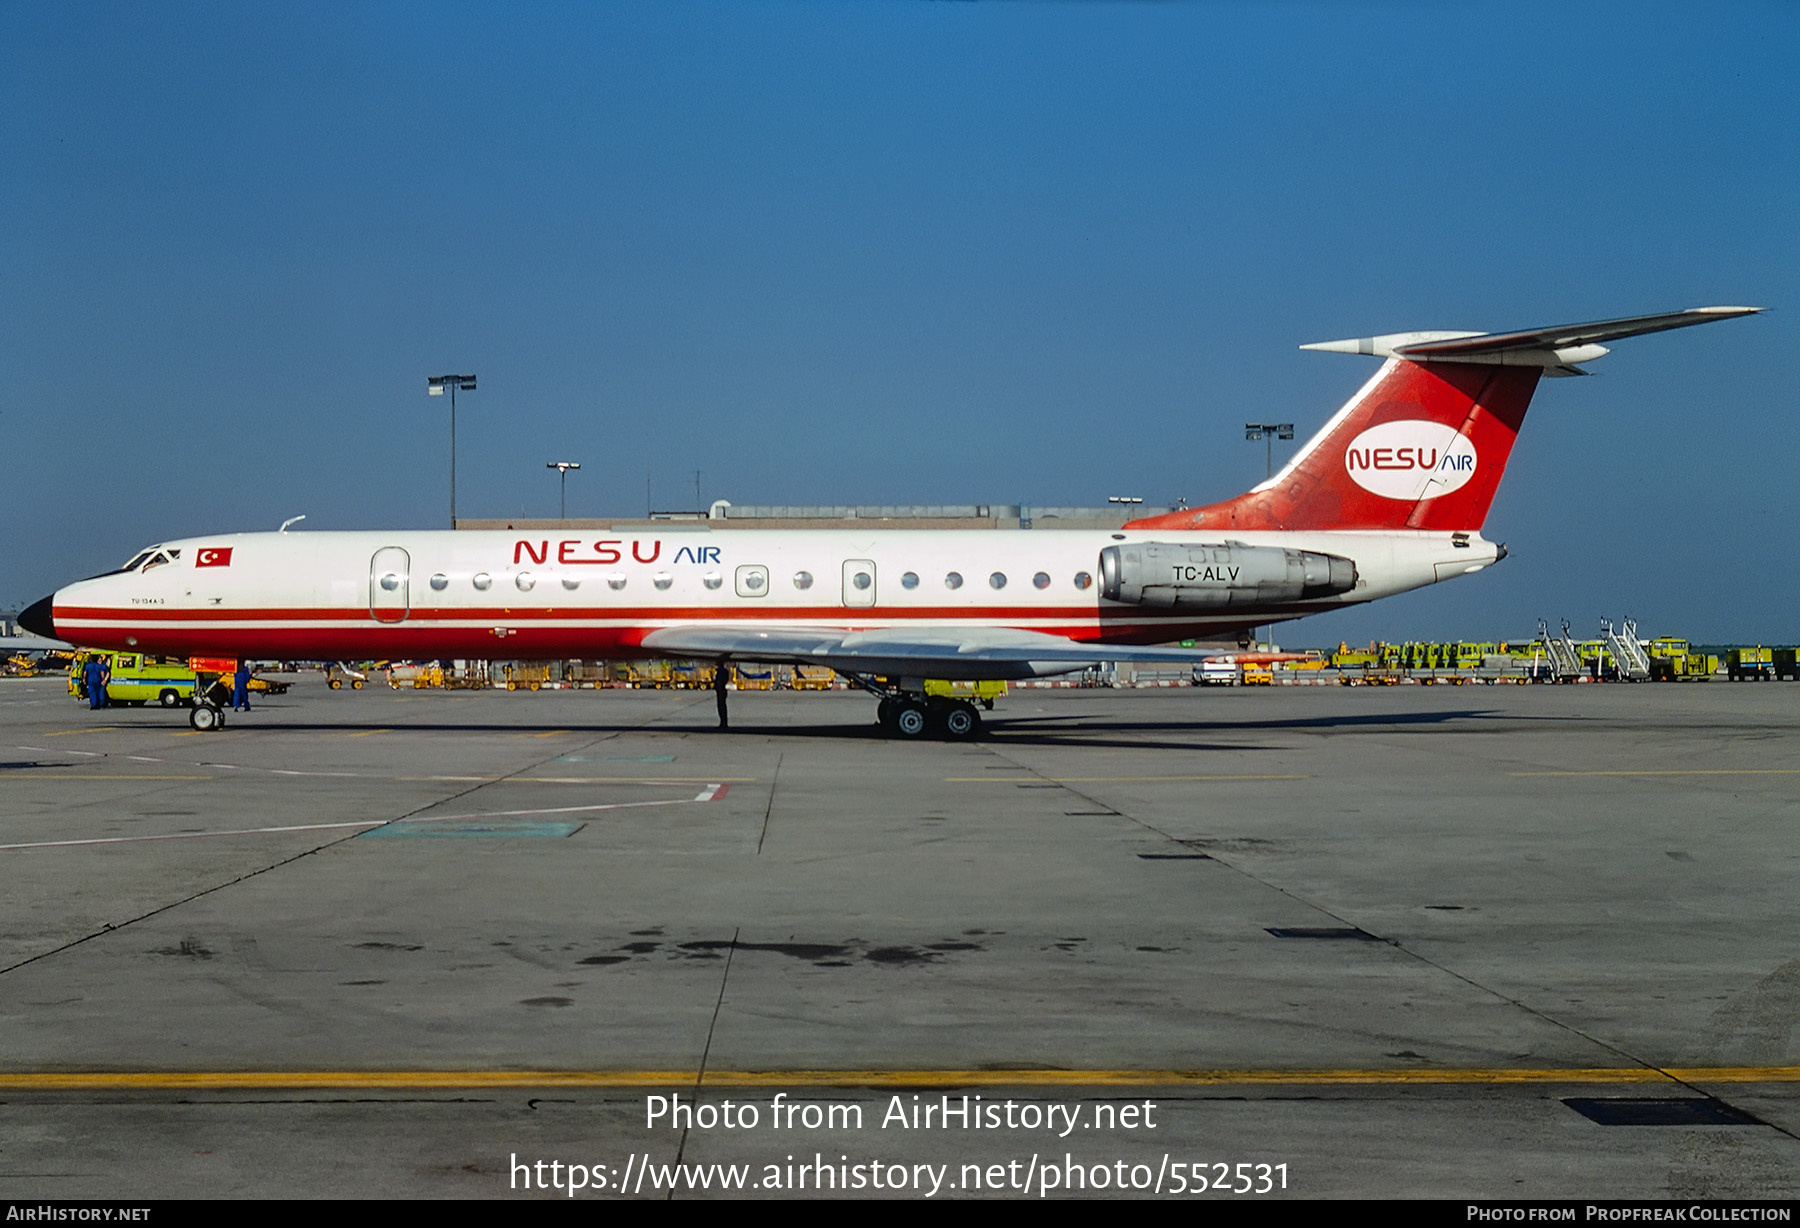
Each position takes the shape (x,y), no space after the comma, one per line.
(434,386)
(563,467)
(1269,432)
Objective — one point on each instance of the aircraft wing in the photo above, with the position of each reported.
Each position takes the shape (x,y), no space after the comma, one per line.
(950,653)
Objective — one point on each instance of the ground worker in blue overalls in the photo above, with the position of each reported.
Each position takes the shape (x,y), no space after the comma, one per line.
(95,674)
(240,688)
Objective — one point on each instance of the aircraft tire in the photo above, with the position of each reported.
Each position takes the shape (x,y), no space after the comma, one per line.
(205,718)
(961,722)
(911,720)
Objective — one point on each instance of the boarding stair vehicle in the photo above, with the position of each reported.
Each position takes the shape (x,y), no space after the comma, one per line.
(1565,658)
(1629,660)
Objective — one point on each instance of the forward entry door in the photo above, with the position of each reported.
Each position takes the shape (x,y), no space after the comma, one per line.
(389,570)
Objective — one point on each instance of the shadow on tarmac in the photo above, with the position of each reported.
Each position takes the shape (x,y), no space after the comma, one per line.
(1070,729)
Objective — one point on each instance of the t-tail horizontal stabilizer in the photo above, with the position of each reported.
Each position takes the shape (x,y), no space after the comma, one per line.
(1556,350)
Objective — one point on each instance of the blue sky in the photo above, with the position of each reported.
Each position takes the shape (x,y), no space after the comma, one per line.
(892,252)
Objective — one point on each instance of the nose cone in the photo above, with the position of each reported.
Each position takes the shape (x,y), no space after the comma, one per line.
(36,618)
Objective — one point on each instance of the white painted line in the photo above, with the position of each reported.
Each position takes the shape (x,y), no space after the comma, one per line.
(243,767)
(363,823)
(185,835)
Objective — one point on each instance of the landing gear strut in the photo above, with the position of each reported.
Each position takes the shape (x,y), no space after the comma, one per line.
(911,714)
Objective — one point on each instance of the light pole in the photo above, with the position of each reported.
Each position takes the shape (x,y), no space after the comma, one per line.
(1270,432)
(563,467)
(435,385)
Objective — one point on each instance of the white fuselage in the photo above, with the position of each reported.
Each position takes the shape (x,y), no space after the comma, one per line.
(597,593)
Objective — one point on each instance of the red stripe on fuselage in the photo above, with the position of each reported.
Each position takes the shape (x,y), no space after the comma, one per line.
(835,613)
(420,636)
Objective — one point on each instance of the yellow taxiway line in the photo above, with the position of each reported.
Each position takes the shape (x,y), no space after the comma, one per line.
(415,1080)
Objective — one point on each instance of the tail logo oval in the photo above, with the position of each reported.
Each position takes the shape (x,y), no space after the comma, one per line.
(1410,459)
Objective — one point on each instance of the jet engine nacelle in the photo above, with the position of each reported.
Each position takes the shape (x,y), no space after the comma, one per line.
(1217,576)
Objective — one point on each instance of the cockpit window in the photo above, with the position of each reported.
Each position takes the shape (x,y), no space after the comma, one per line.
(137,561)
(159,559)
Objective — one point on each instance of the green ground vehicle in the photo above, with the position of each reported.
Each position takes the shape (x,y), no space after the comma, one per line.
(983,693)
(1750,664)
(138,679)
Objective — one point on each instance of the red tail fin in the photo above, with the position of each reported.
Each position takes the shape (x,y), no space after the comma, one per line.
(1422,446)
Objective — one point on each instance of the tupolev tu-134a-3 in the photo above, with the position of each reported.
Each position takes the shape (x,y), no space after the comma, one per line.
(1391,494)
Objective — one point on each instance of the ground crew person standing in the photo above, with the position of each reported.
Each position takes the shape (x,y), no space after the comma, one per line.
(240,688)
(720,676)
(95,673)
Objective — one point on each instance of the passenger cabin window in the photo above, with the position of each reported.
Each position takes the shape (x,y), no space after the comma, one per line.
(662,580)
(440,582)
(713,580)
(803,580)
(997,580)
(616,581)
(571,583)
(953,580)
(482,581)
(525,581)
(1083,580)
(752,580)
(1041,580)
(910,580)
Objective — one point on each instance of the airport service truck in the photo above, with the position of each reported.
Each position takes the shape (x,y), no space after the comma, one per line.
(141,678)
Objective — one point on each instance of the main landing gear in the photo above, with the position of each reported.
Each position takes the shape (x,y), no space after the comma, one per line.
(906,713)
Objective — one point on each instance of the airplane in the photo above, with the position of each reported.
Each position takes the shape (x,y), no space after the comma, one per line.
(1390,495)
